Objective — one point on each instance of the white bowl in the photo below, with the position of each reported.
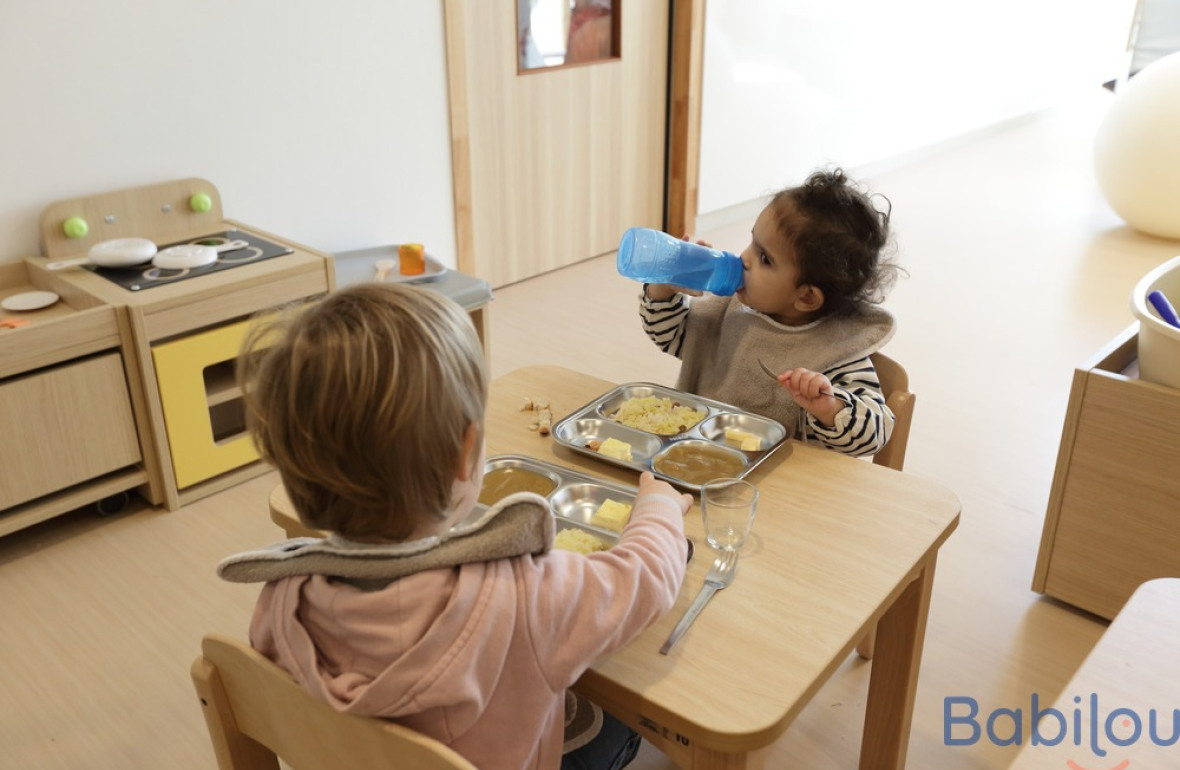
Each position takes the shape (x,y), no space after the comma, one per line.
(1159,342)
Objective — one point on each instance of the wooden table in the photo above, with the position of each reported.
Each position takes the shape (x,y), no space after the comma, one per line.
(838,545)
(1134,666)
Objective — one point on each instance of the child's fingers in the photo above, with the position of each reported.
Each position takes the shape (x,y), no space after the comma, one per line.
(648,483)
(804,383)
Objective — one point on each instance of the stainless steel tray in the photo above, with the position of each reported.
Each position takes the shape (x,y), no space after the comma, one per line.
(593,422)
(575,496)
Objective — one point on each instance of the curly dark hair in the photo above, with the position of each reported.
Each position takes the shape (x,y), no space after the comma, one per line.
(839,238)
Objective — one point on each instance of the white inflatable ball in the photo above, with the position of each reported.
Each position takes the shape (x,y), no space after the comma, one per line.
(1137,150)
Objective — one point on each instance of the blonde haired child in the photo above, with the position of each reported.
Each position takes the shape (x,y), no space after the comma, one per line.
(419,607)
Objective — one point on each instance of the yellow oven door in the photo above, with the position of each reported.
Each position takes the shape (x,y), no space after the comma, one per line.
(202,405)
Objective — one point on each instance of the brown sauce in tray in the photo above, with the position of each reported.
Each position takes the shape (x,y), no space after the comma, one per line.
(698,463)
(501,482)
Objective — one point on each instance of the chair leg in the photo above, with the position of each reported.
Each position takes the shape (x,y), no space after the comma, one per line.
(867,644)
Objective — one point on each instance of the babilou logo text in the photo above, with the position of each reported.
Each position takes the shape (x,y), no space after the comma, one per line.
(1091,726)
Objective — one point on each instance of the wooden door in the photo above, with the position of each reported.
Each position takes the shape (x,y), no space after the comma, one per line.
(552,165)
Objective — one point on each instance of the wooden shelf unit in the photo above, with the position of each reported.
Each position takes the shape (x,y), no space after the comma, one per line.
(66,412)
(1113,519)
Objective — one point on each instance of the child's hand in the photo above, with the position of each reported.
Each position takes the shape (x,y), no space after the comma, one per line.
(813,392)
(665,291)
(649,484)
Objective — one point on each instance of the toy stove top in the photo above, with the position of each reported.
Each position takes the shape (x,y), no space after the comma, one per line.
(142,277)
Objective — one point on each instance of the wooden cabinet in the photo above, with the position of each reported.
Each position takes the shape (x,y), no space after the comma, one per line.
(58,404)
(69,436)
(1113,519)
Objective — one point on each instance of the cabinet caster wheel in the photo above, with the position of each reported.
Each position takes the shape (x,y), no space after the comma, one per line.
(115,504)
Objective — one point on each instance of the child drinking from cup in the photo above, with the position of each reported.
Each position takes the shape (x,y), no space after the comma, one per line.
(814,273)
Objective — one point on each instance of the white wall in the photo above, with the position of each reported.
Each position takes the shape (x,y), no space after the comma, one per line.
(792,85)
(328,122)
(325,122)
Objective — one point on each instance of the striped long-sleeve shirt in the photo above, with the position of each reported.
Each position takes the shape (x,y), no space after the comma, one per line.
(721,348)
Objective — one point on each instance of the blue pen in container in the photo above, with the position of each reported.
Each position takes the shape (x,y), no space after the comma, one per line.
(1164,308)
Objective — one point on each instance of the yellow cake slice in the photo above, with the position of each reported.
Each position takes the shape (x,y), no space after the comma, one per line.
(611,515)
(620,450)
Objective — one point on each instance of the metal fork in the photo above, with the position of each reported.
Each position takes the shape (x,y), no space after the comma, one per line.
(770,373)
(720,576)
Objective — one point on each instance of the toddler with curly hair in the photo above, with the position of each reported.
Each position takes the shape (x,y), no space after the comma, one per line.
(814,276)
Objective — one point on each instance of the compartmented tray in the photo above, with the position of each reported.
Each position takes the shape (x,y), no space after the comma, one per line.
(574,496)
(688,458)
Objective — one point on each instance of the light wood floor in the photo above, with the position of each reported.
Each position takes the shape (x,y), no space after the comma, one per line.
(1018,271)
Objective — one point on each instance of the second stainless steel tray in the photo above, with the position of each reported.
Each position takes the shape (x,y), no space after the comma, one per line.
(575,496)
(594,423)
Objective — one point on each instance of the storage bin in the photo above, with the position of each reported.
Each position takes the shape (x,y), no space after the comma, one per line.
(1159,342)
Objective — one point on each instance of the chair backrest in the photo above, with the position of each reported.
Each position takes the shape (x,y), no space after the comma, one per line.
(256,713)
(895,384)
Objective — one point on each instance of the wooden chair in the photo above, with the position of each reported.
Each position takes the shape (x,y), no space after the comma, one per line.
(256,713)
(895,384)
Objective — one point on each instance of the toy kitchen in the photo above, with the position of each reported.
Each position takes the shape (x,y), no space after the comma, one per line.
(127,382)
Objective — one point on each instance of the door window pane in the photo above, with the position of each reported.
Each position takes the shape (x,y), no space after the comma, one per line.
(554,33)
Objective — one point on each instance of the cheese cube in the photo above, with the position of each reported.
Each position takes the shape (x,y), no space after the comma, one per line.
(612,447)
(611,515)
(747,441)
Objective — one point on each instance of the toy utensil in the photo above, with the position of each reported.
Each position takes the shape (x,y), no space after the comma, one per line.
(383,267)
(1164,308)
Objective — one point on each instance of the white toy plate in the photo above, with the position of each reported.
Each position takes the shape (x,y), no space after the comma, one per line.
(29,300)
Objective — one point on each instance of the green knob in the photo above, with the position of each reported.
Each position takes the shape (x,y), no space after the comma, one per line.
(75,227)
(200,203)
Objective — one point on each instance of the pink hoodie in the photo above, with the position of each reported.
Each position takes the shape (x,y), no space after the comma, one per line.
(477,656)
